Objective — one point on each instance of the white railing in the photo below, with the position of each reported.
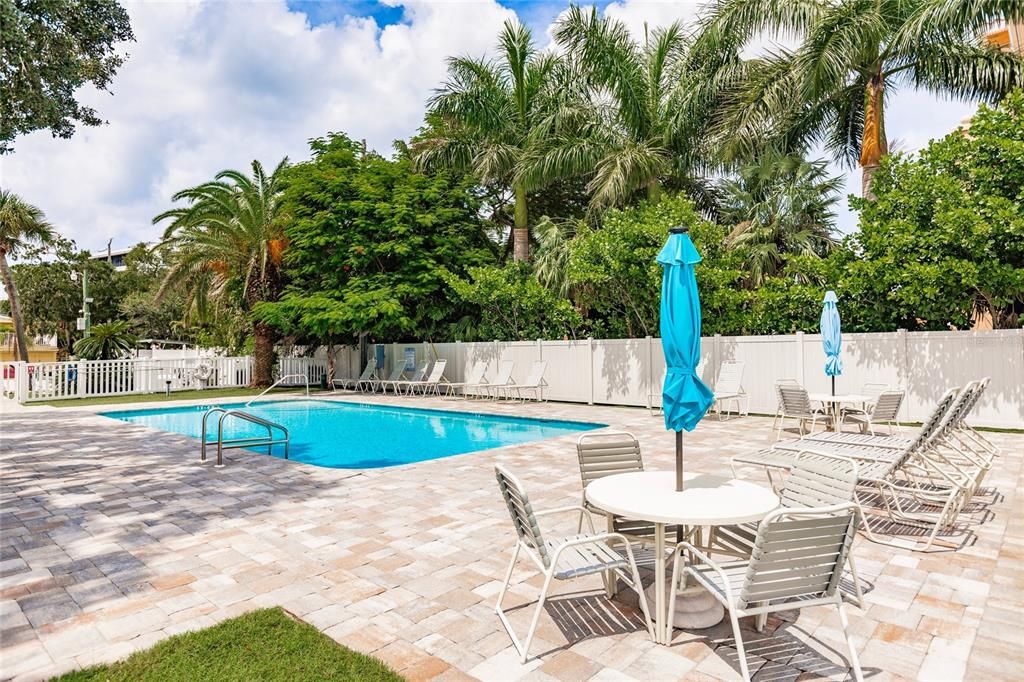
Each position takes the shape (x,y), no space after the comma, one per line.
(314,369)
(33,381)
(627,371)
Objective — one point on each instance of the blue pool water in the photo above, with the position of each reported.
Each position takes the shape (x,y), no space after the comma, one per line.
(357,436)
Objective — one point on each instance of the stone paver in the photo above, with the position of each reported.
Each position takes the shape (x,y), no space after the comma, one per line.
(114,537)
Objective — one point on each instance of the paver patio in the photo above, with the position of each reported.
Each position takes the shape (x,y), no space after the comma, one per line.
(114,536)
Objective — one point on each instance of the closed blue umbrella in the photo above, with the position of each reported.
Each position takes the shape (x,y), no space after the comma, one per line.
(685,398)
(831,337)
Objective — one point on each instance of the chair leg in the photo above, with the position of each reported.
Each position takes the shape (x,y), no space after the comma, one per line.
(536,614)
(854,663)
(762,619)
(744,670)
(856,581)
(638,586)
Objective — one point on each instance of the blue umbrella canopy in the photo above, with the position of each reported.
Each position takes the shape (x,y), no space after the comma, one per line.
(831,336)
(684,396)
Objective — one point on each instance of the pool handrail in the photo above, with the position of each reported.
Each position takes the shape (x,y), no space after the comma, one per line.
(275,384)
(222,444)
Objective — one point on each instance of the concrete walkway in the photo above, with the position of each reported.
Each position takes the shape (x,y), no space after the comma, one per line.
(114,537)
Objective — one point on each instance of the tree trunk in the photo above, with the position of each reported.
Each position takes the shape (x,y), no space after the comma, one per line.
(521,231)
(873,145)
(330,365)
(653,190)
(263,355)
(12,298)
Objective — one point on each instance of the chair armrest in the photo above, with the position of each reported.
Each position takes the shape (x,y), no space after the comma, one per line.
(707,560)
(583,512)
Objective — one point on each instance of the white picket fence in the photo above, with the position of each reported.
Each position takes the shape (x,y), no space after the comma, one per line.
(33,381)
(629,371)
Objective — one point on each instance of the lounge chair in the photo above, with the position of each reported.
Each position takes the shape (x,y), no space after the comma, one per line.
(917,483)
(534,382)
(502,381)
(476,379)
(729,388)
(417,377)
(562,558)
(778,408)
(369,372)
(431,381)
(797,562)
(884,410)
(397,372)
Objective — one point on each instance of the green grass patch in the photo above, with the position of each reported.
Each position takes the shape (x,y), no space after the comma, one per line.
(208,394)
(261,645)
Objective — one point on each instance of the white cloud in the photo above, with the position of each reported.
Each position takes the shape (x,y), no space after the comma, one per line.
(212,85)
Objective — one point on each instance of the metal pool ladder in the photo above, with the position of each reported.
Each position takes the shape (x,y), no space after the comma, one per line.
(269,440)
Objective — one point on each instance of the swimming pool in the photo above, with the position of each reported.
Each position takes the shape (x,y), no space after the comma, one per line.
(360,436)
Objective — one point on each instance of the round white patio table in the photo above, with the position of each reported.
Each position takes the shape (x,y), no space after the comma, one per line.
(706,500)
(832,403)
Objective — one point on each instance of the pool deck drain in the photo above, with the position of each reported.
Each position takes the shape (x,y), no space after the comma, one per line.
(114,537)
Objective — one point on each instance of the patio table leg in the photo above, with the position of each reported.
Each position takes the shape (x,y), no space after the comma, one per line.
(660,615)
(611,581)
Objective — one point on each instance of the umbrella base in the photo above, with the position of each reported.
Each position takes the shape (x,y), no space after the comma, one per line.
(696,609)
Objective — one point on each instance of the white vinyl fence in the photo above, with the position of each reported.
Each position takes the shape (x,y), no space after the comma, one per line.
(629,371)
(31,381)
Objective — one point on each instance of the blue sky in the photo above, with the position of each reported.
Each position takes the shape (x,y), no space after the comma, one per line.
(214,84)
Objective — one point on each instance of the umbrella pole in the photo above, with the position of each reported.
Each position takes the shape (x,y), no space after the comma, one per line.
(833,385)
(679,461)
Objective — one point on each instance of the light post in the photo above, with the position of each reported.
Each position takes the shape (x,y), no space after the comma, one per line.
(84,322)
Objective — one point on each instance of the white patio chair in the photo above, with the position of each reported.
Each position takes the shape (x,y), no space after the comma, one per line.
(606,453)
(534,381)
(778,408)
(355,383)
(884,410)
(562,558)
(797,562)
(816,480)
(655,392)
(729,388)
(476,380)
(794,403)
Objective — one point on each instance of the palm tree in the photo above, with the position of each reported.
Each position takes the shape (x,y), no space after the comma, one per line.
(107,341)
(779,206)
(21,224)
(638,126)
(227,247)
(855,54)
(480,120)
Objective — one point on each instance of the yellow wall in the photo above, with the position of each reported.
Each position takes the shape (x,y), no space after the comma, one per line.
(34,355)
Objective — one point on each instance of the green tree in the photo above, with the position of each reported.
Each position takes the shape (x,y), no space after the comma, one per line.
(482,118)
(511,304)
(942,245)
(21,225)
(371,244)
(779,206)
(227,245)
(618,282)
(52,299)
(49,51)
(634,124)
(854,55)
(106,341)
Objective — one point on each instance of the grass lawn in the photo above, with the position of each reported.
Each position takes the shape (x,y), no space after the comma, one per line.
(208,394)
(262,645)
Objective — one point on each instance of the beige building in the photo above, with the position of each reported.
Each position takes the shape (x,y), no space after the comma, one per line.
(1008,36)
(39,349)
